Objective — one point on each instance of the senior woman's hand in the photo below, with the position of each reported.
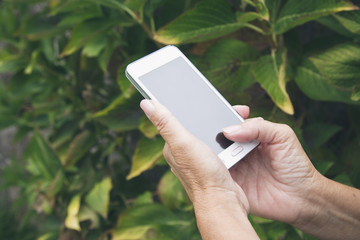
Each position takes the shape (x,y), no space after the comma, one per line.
(281,183)
(220,204)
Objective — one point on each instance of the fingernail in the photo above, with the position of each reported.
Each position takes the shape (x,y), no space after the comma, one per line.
(232,129)
(147,107)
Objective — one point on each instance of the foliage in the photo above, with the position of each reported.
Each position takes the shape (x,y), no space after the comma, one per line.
(85,173)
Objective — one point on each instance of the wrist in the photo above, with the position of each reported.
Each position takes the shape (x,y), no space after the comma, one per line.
(221,214)
(314,202)
(222,199)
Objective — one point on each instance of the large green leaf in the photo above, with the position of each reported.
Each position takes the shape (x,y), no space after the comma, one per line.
(295,12)
(171,192)
(227,64)
(339,65)
(99,197)
(42,157)
(310,81)
(331,75)
(208,20)
(269,71)
(147,153)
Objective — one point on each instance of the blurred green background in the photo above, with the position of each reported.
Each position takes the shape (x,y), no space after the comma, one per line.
(93,166)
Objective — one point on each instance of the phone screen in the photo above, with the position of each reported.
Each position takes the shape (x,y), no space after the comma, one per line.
(198,108)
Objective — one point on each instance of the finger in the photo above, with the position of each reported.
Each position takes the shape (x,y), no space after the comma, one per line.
(260,130)
(169,127)
(243,110)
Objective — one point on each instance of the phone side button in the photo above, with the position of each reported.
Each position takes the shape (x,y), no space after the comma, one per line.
(236,151)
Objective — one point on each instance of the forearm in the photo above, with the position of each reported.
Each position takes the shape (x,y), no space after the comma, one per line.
(222,217)
(333,211)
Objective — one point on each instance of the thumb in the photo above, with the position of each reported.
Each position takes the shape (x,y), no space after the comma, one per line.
(168,126)
(260,130)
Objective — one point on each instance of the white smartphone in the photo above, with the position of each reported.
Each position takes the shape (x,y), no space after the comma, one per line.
(169,77)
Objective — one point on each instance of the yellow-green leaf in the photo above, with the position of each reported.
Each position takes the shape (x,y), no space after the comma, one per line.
(269,71)
(171,192)
(87,214)
(134,233)
(98,198)
(296,12)
(208,20)
(147,153)
(72,219)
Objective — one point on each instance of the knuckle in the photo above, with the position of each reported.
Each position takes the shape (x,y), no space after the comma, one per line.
(287,130)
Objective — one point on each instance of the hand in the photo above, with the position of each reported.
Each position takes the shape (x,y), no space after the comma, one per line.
(198,167)
(220,205)
(277,176)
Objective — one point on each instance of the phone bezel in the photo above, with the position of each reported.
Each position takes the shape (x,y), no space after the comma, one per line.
(164,55)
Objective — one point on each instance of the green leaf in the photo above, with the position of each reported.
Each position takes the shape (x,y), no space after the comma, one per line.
(72,219)
(322,166)
(269,71)
(355,95)
(295,13)
(143,220)
(57,184)
(331,22)
(85,32)
(331,75)
(93,47)
(124,83)
(78,147)
(208,20)
(350,20)
(145,198)
(136,6)
(115,4)
(227,64)
(39,27)
(339,65)
(12,64)
(261,8)
(310,81)
(43,157)
(319,133)
(147,153)
(99,197)
(79,15)
(147,128)
(344,179)
(171,193)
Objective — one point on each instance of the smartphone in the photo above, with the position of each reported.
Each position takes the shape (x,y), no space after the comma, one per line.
(169,77)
